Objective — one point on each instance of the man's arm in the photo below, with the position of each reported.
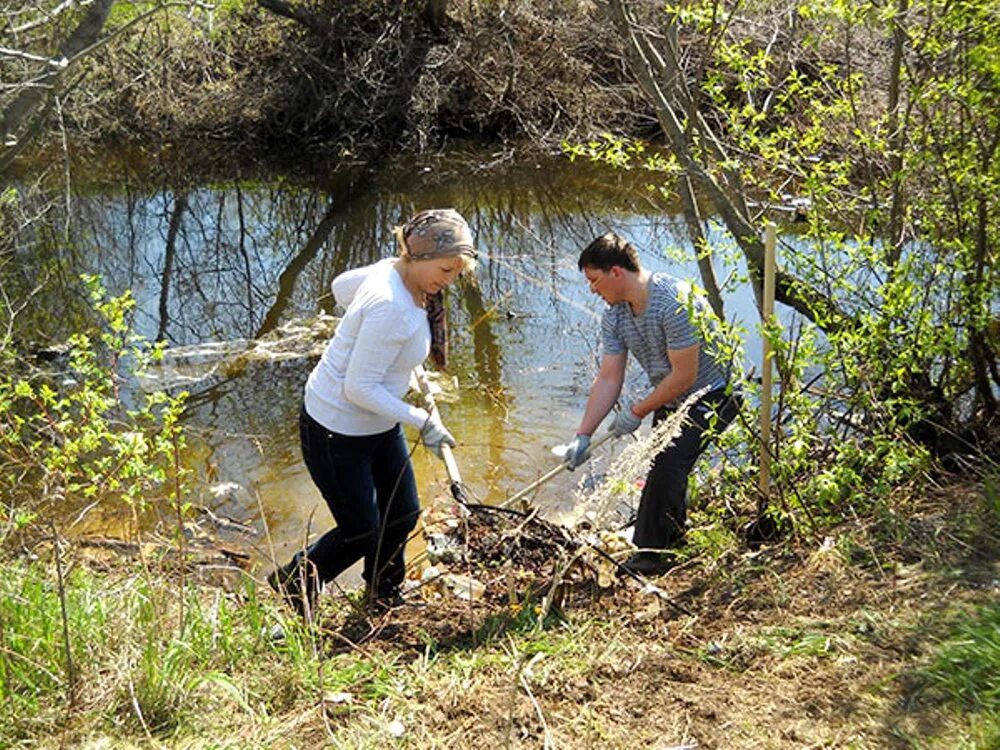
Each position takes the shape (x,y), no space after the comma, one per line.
(603,392)
(683,374)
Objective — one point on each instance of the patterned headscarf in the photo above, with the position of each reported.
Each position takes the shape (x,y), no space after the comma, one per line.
(436,233)
(437,319)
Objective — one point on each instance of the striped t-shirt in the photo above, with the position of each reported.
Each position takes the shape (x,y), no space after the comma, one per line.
(663,325)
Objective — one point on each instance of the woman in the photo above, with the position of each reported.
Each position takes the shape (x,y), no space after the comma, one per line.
(350,424)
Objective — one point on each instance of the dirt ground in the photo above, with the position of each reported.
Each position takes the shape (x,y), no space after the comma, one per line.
(813,642)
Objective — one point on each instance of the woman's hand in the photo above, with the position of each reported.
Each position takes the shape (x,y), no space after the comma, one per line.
(435,434)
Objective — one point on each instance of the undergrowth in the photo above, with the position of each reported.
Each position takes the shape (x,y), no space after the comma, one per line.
(964,673)
(143,658)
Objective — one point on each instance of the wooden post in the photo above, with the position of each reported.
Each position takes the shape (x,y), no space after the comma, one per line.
(767,313)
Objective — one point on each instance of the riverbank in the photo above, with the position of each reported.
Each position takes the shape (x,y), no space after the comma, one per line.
(365,79)
(872,634)
(346,79)
(872,624)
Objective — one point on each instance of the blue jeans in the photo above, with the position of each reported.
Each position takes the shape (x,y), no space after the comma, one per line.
(368,484)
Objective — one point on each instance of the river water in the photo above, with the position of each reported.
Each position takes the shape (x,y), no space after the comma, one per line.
(230,258)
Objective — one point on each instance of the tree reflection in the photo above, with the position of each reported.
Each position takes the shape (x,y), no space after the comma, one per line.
(235,260)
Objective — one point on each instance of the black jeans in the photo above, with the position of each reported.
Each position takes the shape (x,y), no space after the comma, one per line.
(662,514)
(368,484)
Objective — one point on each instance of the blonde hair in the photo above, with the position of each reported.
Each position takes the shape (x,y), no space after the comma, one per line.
(403,250)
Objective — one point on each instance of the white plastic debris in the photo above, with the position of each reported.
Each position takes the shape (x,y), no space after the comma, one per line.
(464,587)
(337,697)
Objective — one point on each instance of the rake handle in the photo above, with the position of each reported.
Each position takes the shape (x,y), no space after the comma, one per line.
(551,473)
(450,465)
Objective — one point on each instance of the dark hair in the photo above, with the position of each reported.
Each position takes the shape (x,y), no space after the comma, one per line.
(607,251)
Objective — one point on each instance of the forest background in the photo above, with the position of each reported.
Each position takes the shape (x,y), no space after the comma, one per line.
(879,119)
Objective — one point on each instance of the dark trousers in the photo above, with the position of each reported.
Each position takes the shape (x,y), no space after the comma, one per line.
(368,484)
(662,512)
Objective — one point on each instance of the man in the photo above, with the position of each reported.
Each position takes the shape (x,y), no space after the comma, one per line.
(647,316)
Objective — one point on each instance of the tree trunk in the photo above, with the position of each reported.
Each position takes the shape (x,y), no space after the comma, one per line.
(654,75)
(896,134)
(693,219)
(36,97)
(295,13)
(980,352)
(436,15)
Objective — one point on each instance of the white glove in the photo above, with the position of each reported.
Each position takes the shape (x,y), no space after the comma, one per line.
(625,421)
(434,434)
(577,451)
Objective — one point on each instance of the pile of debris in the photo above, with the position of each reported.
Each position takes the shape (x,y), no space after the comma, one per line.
(501,556)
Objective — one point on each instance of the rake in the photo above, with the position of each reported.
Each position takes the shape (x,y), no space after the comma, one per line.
(551,474)
(458,490)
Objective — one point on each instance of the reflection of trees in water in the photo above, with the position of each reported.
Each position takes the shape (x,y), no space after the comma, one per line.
(202,262)
(169,253)
(211,263)
(348,225)
(235,260)
(36,269)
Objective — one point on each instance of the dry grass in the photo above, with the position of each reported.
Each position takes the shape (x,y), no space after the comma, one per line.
(798,645)
(795,646)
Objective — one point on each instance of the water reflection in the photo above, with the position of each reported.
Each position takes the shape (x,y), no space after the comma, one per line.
(230,260)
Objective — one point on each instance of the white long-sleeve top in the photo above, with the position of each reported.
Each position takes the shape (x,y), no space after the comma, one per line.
(358,384)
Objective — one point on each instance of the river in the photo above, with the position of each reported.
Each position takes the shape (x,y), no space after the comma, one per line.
(228,257)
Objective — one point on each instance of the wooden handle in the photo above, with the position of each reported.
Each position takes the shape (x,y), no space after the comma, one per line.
(767,313)
(450,465)
(552,473)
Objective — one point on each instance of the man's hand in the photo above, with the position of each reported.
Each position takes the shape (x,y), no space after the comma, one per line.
(625,421)
(577,451)
(434,434)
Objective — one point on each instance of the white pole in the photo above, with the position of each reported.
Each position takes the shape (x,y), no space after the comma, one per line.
(767,314)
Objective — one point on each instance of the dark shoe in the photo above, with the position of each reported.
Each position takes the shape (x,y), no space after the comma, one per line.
(382,601)
(646,564)
(297,584)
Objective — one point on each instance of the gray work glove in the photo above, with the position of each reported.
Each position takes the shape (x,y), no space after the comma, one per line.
(577,451)
(434,434)
(625,421)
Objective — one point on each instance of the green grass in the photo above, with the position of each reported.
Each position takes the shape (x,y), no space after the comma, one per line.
(134,661)
(34,659)
(146,666)
(964,676)
(966,669)
(991,496)
(155,668)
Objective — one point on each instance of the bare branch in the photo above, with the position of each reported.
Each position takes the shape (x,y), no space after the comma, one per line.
(59,63)
(654,75)
(26,105)
(46,17)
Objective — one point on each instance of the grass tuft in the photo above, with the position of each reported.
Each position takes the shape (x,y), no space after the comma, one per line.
(966,669)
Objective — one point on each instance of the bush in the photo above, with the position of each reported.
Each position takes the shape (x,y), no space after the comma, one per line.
(76,436)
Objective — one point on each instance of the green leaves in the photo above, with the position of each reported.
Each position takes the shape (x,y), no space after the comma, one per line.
(881,119)
(621,153)
(68,437)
